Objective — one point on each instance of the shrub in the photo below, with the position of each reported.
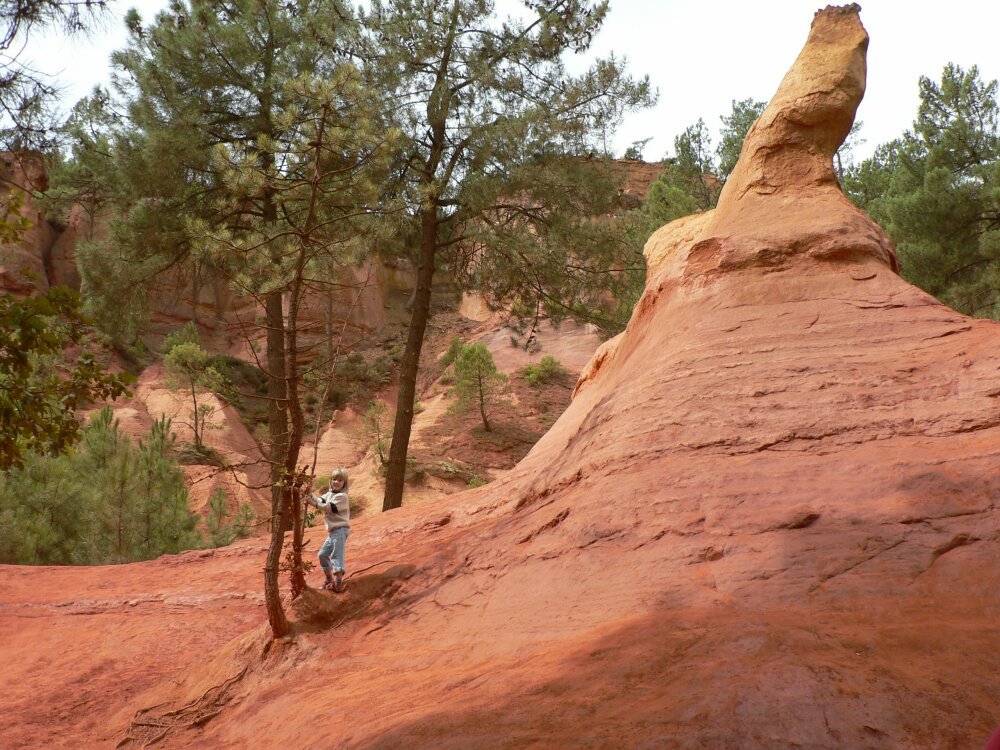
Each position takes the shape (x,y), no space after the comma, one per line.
(452,352)
(546,371)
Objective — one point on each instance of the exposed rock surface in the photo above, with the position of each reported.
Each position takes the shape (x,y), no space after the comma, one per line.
(245,481)
(768,520)
(23,263)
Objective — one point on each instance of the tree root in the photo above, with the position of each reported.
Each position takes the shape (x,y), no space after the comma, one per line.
(147,729)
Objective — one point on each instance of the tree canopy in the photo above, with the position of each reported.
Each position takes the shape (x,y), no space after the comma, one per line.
(936,190)
(41,389)
(478,99)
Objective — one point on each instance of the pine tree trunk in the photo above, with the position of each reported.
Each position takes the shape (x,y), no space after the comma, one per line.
(396,468)
(194,415)
(482,403)
(292,485)
(278,428)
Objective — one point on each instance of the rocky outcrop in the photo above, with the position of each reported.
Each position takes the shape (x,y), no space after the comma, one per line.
(23,264)
(769,519)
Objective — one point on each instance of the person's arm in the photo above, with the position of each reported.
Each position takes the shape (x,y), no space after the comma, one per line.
(340,502)
(312,499)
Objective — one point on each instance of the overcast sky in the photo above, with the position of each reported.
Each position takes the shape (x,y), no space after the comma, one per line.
(699,54)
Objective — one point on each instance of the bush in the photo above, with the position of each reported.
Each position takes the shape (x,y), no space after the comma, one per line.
(546,371)
(217,529)
(452,352)
(377,428)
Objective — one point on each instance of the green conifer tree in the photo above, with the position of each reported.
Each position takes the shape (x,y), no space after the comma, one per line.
(476,99)
(478,383)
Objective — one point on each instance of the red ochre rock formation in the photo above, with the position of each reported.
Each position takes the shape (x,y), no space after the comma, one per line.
(25,265)
(768,520)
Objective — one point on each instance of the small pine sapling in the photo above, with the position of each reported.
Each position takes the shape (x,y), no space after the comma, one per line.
(478,383)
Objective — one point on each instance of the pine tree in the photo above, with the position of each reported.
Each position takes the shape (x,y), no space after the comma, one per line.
(190,367)
(478,383)
(27,117)
(249,155)
(735,127)
(936,190)
(477,98)
(105,501)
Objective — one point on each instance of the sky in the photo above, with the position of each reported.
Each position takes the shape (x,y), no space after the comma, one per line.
(699,54)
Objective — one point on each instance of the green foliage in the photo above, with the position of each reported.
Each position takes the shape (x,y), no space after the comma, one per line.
(634,151)
(936,190)
(28,97)
(187,334)
(478,383)
(452,352)
(735,127)
(244,386)
(13,224)
(547,370)
(190,367)
(376,425)
(219,531)
(556,251)
(486,109)
(40,392)
(105,502)
(476,481)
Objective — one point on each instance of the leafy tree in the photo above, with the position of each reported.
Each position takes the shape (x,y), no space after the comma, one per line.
(937,192)
(477,98)
(13,222)
(478,383)
(40,391)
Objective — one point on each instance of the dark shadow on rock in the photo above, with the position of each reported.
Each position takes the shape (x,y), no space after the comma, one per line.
(366,595)
(730,677)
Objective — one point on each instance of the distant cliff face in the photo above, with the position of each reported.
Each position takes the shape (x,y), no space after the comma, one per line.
(46,256)
(769,519)
(24,265)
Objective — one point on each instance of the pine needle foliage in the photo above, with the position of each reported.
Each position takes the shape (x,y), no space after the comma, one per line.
(482,102)
(478,383)
(106,501)
(936,190)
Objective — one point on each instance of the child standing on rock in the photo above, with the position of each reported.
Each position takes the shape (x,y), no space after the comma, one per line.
(337,509)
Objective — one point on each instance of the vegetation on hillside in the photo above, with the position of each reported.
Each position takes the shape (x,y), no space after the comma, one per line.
(41,386)
(105,501)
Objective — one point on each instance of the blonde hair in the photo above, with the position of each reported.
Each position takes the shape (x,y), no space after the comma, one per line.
(339,473)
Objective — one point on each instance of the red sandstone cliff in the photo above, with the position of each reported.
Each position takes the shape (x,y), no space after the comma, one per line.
(768,520)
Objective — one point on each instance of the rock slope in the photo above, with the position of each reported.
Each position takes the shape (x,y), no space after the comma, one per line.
(768,520)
